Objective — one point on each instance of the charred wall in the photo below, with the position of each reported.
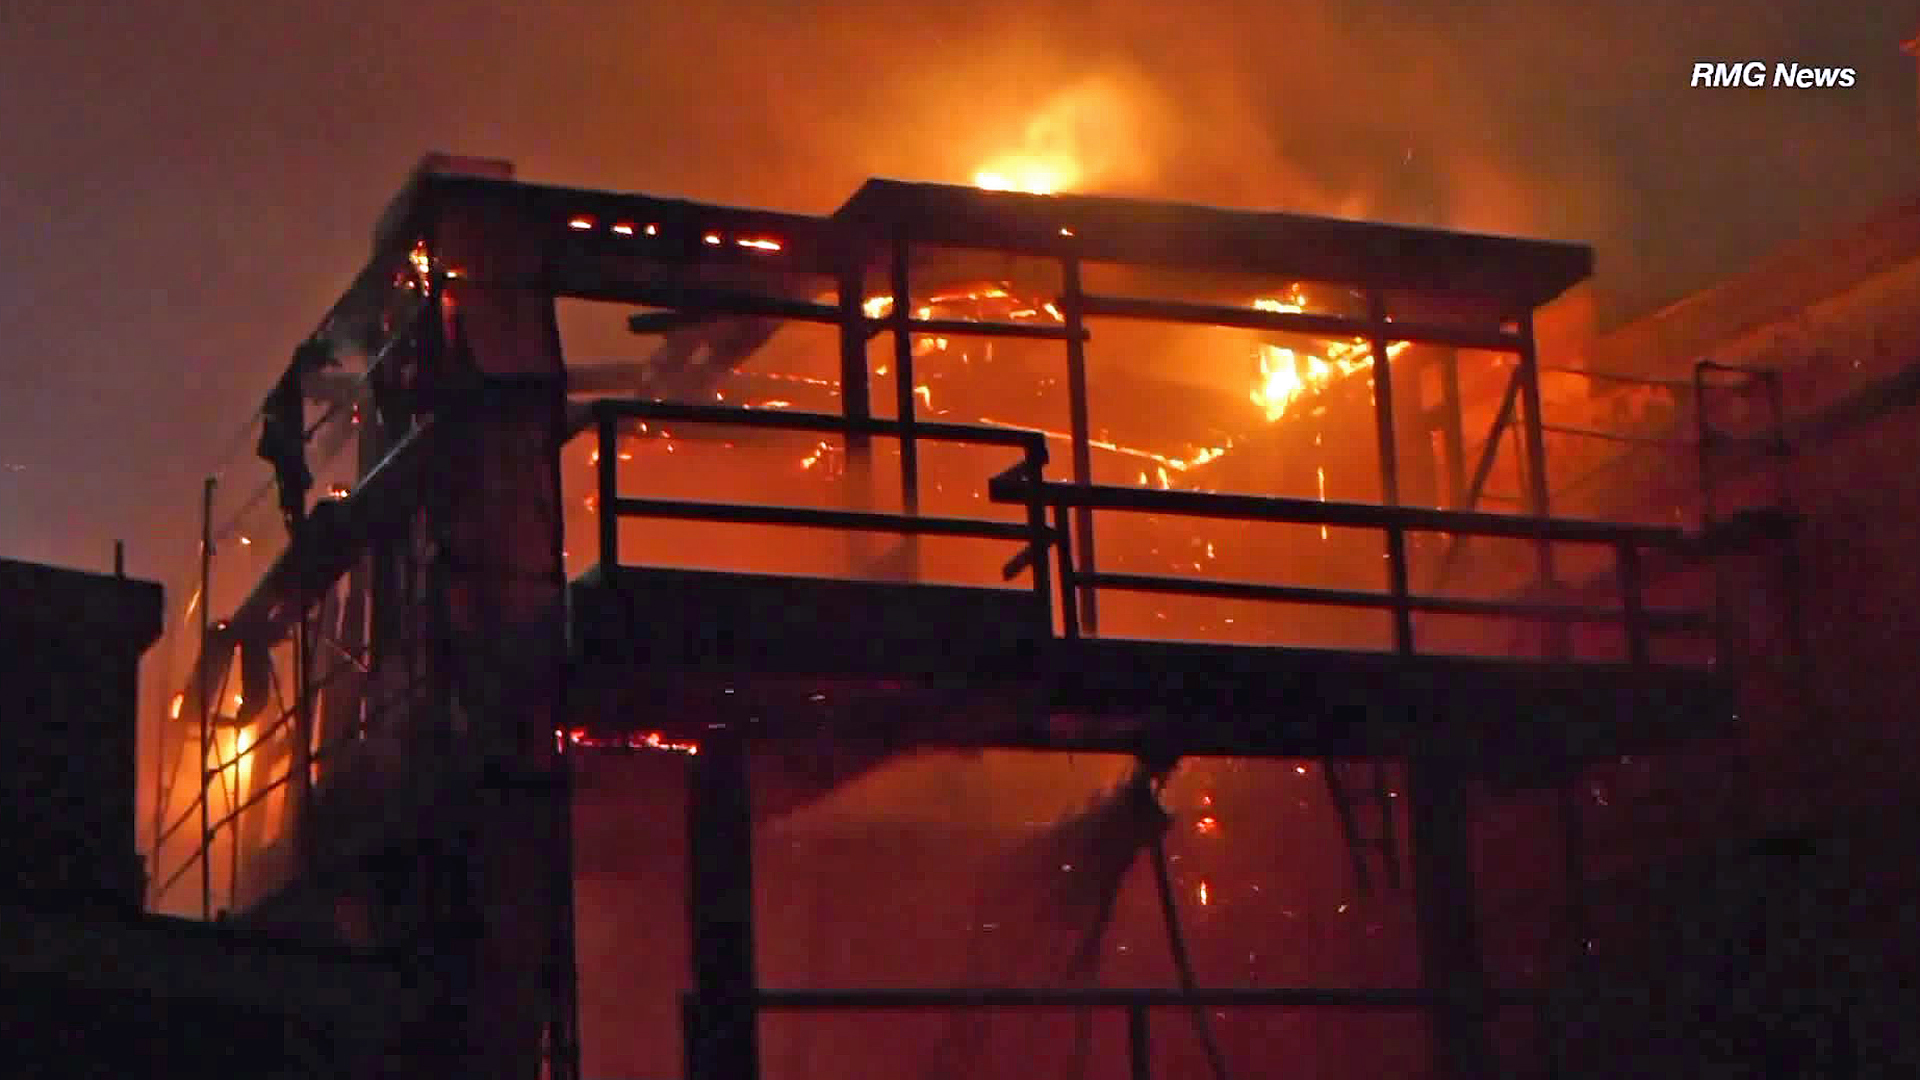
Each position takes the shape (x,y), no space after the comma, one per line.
(1763,884)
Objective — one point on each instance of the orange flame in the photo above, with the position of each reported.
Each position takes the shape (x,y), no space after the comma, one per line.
(1287,375)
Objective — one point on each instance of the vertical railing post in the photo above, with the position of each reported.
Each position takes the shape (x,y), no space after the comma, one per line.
(205,679)
(1069,585)
(903,379)
(1397,579)
(1632,601)
(1072,315)
(609,493)
(1389,470)
(1139,1046)
(1559,635)
(1035,455)
(1452,434)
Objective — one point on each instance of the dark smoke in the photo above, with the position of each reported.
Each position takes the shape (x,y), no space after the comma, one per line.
(194,187)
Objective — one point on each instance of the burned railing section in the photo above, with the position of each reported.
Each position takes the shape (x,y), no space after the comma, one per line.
(1638,622)
(606,416)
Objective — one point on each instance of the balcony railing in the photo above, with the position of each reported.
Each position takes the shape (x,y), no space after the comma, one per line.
(611,506)
(1049,524)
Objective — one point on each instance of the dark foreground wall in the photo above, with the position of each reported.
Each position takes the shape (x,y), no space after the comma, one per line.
(70,646)
(1763,889)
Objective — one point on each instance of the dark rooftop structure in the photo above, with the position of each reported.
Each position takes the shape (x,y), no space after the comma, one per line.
(1524,273)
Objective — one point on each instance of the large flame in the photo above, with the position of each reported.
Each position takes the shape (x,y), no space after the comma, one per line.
(1288,375)
(1034,176)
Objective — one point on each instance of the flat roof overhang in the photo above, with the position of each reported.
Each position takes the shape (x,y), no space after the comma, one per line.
(1523,273)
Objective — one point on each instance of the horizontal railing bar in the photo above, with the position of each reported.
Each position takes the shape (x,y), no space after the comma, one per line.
(749,514)
(1352,515)
(720,303)
(1616,377)
(724,302)
(818,422)
(1612,436)
(1369,1000)
(1297,322)
(981,328)
(1675,620)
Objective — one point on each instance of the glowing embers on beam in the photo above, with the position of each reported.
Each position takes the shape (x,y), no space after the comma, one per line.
(1288,375)
(765,245)
(422,262)
(640,740)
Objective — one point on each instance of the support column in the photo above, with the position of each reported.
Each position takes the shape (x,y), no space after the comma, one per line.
(856,404)
(1452,433)
(1389,469)
(908,567)
(722,1032)
(1072,311)
(1447,926)
(1534,440)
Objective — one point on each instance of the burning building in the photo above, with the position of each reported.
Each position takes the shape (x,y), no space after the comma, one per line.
(1082,631)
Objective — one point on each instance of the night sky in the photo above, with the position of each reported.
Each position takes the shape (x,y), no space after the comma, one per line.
(187,186)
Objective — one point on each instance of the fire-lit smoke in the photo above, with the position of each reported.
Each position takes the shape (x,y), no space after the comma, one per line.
(1088,137)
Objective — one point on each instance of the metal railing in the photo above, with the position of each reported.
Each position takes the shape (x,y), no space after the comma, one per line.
(1024,485)
(1636,620)
(611,506)
(217,769)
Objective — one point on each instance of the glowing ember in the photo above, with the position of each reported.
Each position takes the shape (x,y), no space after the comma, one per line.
(759,244)
(654,740)
(1205,898)
(580,224)
(422,262)
(1207,826)
(624,228)
(1320,474)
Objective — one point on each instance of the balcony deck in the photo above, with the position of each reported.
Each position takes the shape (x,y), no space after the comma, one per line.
(912,665)
(905,664)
